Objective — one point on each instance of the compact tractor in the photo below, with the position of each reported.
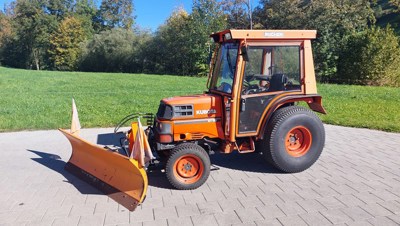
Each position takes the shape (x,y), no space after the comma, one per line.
(256,80)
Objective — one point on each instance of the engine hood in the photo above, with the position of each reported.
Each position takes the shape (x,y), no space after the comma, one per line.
(193,106)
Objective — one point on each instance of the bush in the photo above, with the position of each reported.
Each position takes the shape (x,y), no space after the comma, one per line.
(109,51)
(371,57)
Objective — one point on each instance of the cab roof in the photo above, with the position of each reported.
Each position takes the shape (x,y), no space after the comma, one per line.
(231,34)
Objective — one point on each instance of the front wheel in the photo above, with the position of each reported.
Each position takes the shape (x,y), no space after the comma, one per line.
(294,139)
(188,166)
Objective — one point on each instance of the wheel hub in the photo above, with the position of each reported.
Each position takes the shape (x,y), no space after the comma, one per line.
(293,139)
(298,141)
(187,167)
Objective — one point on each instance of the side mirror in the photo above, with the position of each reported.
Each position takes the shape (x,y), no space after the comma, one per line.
(244,53)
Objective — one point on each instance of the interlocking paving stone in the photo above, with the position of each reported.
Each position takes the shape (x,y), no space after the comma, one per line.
(392,206)
(187,210)
(359,223)
(204,220)
(194,198)
(96,219)
(66,221)
(209,207)
(356,181)
(291,208)
(349,200)
(249,215)
(331,202)
(376,210)
(113,218)
(251,201)
(382,221)
(311,205)
(356,213)
(165,212)
(294,220)
(395,218)
(180,221)
(227,218)
(271,211)
(141,215)
(268,222)
(315,219)
(230,204)
(336,216)
(162,222)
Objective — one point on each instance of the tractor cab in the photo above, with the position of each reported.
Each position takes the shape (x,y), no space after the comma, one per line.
(256,71)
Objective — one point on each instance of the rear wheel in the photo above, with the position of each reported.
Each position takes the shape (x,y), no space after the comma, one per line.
(188,166)
(293,140)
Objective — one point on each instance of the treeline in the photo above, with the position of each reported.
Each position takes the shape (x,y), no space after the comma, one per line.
(80,35)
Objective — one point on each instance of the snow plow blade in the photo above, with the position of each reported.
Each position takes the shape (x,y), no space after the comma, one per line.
(118,176)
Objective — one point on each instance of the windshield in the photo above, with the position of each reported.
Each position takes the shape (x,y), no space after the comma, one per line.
(225,66)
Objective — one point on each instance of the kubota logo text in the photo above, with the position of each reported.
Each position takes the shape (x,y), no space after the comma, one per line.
(206,112)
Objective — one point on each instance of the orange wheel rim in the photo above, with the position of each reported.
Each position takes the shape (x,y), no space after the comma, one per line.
(298,141)
(188,169)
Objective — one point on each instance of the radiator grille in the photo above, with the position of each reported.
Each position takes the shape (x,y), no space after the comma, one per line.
(183,110)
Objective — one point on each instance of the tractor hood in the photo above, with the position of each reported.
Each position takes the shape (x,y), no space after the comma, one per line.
(193,106)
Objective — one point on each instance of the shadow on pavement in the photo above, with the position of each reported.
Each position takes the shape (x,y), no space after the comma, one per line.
(157,178)
(55,163)
(251,162)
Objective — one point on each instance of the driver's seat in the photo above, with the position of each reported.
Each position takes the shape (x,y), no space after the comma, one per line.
(277,82)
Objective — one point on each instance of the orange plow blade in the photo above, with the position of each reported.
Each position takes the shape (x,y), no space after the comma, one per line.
(120,177)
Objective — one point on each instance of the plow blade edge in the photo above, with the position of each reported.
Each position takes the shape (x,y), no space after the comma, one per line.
(120,177)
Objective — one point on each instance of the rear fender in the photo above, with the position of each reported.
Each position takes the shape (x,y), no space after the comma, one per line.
(314,102)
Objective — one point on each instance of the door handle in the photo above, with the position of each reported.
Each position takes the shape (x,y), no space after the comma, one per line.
(242,105)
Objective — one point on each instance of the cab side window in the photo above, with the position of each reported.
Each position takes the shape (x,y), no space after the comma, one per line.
(272,68)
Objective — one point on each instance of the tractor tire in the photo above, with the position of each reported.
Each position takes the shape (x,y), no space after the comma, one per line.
(293,140)
(188,166)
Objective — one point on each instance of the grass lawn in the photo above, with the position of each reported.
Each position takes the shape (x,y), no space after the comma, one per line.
(42,100)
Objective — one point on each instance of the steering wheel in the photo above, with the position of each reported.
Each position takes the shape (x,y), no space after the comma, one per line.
(250,89)
(254,88)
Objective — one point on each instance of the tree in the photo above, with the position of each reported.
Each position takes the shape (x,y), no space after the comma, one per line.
(371,57)
(171,46)
(58,8)
(334,20)
(239,13)
(206,17)
(5,29)
(32,26)
(116,13)
(6,33)
(85,11)
(181,46)
(396,4)
(109,51)
(65,44)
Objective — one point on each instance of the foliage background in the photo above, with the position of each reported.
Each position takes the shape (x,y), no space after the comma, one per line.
(73,35)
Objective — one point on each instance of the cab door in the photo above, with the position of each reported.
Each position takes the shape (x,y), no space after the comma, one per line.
(271,71)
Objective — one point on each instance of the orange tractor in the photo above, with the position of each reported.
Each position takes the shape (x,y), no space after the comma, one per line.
(256,80)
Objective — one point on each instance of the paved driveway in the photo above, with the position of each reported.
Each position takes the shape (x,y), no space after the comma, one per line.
(356,182)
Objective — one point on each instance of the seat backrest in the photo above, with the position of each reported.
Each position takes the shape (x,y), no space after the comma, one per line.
(277,82)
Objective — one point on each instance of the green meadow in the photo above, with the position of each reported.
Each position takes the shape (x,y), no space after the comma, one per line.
(33,100)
